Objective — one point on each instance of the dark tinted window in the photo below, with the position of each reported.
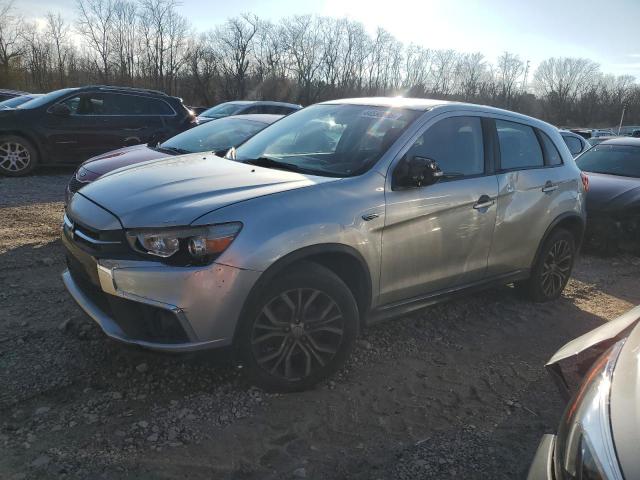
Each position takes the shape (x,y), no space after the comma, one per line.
(623,160)
(455,144)
(255,109)
(135,105)
(519,146)
(574,144)
(551,153)
(99,103)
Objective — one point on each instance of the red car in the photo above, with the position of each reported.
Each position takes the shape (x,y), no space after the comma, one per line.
(216,136)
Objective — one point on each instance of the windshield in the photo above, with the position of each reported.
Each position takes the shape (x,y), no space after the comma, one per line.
(223,109)
(221,134)
(623,160)
(45,99)
(329,140)
(14,102)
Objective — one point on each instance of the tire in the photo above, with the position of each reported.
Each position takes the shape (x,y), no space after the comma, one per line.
(18,156)
(552,269)
(298,329)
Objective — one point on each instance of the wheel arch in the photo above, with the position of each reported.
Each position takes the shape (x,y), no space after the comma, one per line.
(570,221)
(345,261)
(30,138)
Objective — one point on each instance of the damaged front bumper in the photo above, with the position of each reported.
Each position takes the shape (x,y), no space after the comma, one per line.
(157,306)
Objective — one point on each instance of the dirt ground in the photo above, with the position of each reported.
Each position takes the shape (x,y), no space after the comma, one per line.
(456,391)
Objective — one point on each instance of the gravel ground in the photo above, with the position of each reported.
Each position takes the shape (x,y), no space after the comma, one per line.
(456,391)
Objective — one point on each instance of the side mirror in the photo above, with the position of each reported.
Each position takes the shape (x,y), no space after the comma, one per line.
(417,172)
(60,109)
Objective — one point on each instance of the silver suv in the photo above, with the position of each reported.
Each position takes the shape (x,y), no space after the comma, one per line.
(339,215)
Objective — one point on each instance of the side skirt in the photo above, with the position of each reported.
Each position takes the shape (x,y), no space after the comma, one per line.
(402,307)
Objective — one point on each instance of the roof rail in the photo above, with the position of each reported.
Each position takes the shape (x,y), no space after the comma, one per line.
(129,89)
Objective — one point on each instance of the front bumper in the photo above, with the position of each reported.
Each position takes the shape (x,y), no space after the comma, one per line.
(192,308)
(542,465)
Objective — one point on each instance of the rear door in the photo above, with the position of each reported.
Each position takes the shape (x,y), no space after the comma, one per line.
(439,236)
(530,176)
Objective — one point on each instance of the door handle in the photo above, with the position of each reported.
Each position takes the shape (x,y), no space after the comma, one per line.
(549,187)
(485,201)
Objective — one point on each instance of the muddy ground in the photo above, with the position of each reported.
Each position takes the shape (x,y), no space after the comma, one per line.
(456,391)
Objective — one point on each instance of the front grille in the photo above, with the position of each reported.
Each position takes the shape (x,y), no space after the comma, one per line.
(75,184)
(96,242)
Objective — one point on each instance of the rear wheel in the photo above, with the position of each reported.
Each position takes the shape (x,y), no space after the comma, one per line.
(17,156)
(300,329)
(553,268)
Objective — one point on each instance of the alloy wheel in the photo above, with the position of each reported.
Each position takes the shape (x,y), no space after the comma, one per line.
(297,333)
(556,268)
(14,157)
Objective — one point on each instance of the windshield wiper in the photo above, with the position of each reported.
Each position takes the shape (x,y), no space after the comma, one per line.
(271,163)
(179,151)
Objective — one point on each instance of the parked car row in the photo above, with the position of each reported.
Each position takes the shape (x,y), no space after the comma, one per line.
(71,125)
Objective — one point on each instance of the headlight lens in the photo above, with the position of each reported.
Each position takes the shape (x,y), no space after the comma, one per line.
(196,243)
(584,446)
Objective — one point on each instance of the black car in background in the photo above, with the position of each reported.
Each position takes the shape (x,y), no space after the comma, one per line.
(71,125)
(613,201)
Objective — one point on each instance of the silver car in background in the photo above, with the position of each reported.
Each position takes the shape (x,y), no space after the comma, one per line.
(600,429)
(336,216)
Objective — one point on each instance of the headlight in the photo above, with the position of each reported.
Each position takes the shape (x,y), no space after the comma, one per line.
(201,244)
(584,447)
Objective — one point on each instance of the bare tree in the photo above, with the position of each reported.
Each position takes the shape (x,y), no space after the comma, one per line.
(96,26)
(57,32)
(508,71)
(11,35)
(561,81)
(236,44)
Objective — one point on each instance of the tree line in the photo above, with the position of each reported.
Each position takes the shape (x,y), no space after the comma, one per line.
(302,59)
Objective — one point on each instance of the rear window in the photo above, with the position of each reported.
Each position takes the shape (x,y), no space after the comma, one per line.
(519,146)
(623,160)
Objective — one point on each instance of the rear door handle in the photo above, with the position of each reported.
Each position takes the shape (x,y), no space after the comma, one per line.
(549,187)
(485,201)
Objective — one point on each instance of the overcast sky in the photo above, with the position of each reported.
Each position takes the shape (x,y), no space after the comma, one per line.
(605,31)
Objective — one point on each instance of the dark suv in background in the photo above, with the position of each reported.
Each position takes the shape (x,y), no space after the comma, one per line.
(71,125)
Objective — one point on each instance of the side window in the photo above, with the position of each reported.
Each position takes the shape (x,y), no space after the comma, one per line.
(519,146)
(575,145)
(551,154)
(120,104)
(86,104)
(455,144)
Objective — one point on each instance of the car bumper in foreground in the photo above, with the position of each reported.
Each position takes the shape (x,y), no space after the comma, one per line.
(542,466)
(161,307)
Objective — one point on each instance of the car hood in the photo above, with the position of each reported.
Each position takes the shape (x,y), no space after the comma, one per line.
(610,193)
(122,157)
(179,190)
(625,405)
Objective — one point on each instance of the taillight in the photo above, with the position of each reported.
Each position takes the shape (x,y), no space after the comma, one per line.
(585,181)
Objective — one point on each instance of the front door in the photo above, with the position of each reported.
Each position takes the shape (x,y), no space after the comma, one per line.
(439,236)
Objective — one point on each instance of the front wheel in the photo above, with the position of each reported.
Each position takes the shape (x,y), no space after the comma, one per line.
(299,330)
(17,156)
(552,269)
